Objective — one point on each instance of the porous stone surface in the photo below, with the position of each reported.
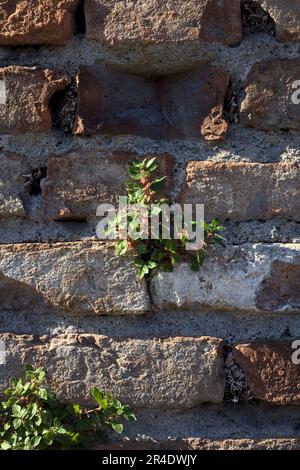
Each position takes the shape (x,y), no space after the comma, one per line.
(78,182)
(157,21)
(12,167)
(245,278)
(205,444)
(188,104)
(227,422)
(286,14)
(243,191)
(78,278)
(270,372)
(28,92)
(152,373)
(32,22)
(269,102)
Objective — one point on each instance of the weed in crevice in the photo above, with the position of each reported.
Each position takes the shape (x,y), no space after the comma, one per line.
(152,254)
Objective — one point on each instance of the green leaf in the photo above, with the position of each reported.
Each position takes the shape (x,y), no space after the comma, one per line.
(17,423)
(35,441)
(97,395)
(76,408)
(16,411)
(43,394)
(130,416)
(49,439)
(152,164)
(5,445)
(200,257)
(171,246)
(38,421)
(134,172)
(41,375)
(116,403)
(142,248)
(121,247)
(158,184)
(133,186)
(145,270)
(152,264)
(139,262)
(117,427)
(103,404)
(175,258)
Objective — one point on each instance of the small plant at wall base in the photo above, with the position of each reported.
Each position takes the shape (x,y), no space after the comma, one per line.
(31,418)
(153,255)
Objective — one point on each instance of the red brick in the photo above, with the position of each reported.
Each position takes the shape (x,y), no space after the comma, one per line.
(144,22)
(29,22)
(244,191)
(182,105)
(269,89)
(78,182)
(28,92)
(269,371)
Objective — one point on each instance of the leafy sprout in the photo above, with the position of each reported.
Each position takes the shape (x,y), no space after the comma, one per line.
(31,418)
(153,255)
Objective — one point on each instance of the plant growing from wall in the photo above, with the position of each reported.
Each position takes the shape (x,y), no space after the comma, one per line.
(31,418)
(153,255)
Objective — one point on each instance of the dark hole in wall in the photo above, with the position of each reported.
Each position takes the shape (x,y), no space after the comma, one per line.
(236,388)
(79,17)
(256,20)
(34,181)
(63,105)
(231,108)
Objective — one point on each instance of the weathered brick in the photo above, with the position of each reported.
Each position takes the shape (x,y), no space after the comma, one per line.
(77,278)
(28,92)
(268,103)
(176,372)
(78,182)
(12,167)
(145,22)
(192,102)
(269,371)
(250,278)
(244,191)
(188,104)
(34,22)
(286,14)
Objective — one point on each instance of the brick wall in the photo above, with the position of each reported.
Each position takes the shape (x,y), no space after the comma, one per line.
(206,86)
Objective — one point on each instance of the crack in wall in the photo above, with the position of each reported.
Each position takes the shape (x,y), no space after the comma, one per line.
(236,388)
